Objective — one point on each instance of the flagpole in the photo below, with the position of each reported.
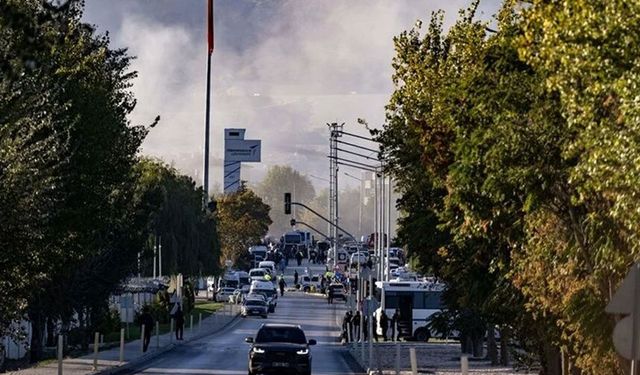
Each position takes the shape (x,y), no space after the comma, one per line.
(205,182)
(207,126)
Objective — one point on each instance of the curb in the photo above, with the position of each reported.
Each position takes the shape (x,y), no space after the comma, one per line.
(130,365)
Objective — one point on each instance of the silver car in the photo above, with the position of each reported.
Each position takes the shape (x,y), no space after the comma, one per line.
(254,307)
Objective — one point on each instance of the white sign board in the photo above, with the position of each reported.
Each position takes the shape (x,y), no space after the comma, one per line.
(245,150)
(626,302)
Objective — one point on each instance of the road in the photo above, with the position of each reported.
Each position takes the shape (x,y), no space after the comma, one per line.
(226,353)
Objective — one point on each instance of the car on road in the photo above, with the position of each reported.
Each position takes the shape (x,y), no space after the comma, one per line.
(267,289)
(279,349)
(223,294)
(305,283)
(257,274)
(268,265)
(254,307)
(338,291)
(315,282)
(359,258)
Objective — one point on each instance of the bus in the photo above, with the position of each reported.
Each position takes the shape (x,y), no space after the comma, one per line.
(415,300)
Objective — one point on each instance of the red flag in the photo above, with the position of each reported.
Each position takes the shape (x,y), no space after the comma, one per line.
(210,25)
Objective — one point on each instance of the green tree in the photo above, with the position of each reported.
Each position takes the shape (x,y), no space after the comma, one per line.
(172,208)
(280,180)
(243,221)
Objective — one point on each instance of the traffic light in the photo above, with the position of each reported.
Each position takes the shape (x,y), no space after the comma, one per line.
(292,222)
(287,203)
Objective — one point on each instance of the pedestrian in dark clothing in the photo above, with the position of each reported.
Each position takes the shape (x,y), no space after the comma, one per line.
(355,322)
(374,330)
(346,326)
(384,324)
(395,320)
(146,320)
(295,278)
(282,284)
(299,258)
(330,296)
(365,327)
(179,317)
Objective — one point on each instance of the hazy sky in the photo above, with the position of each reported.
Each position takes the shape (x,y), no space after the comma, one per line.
(282,69)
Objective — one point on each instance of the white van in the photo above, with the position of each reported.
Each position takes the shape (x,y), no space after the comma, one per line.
(268,264)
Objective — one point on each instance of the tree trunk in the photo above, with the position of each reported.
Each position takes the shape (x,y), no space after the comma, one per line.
(51,333)
(492,348)
(82,323)
(478,347)
(505,335)
(37,333)
(552,360)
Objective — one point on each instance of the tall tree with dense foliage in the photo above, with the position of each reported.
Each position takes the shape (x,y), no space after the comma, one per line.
(524,171)
(172,205)
(243,221)
(66,95)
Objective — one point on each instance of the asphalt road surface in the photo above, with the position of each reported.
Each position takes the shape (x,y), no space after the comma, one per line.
(226,353)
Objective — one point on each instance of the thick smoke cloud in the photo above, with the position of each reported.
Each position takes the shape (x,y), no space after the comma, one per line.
(281,69)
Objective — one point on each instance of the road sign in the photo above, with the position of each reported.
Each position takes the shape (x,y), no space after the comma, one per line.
(625,302)
(244,150)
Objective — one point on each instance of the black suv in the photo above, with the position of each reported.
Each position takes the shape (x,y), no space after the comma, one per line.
(280,349)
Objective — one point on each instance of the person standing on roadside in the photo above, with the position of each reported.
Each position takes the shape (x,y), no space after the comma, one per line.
(299,258)
(295,278)
(179,317)
(374,330)
(355,322)
(330,296)
(282,284)
(395,320)
(384,324)
(146,320)
(346,326)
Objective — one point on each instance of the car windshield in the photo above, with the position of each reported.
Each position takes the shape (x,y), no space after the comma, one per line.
(281,334)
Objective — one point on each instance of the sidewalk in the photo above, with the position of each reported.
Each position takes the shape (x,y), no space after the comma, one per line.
(432,358)
(108,359)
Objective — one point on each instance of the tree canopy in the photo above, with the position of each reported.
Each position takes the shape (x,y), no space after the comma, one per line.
(243,221)
(514,154)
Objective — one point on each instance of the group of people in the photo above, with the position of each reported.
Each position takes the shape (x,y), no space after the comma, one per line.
(351,326)
(146,320)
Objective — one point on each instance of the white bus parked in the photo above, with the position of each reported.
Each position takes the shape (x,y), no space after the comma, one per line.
(415,300)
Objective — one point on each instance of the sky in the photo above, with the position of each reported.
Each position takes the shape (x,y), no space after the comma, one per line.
(282,69)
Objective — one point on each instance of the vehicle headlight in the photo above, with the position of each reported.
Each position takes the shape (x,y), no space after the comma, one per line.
(258,350)
(303,351)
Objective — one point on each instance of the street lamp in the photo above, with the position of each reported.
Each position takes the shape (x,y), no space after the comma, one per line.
(360,205)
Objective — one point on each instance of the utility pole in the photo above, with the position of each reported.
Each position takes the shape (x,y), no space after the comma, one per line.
(335,130)
(389,228)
